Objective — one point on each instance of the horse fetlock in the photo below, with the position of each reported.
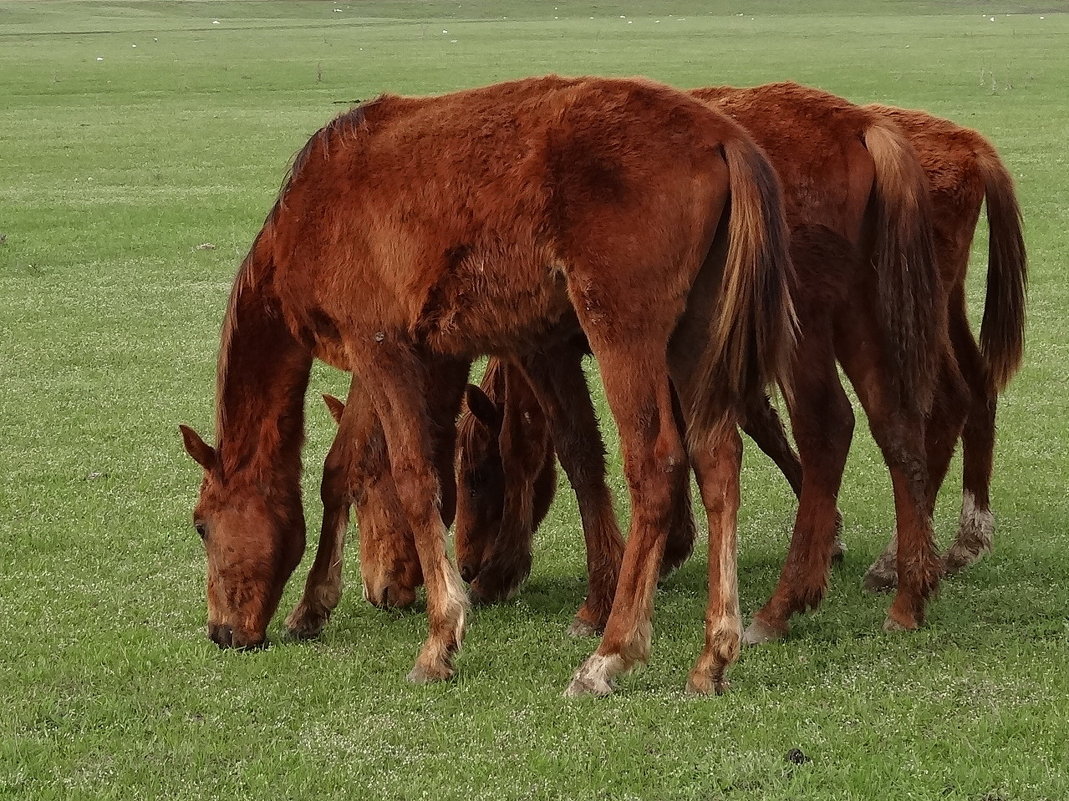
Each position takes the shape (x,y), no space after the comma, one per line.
(975,537)
(724,642)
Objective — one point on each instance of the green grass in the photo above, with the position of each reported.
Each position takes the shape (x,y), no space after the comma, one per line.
(113,171)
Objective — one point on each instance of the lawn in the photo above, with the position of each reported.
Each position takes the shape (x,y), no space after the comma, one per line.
(141,144)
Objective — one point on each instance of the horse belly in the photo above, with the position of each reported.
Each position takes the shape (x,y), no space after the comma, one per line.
(496,305)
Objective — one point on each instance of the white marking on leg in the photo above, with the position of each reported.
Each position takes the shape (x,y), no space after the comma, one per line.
(595,675)
(976,533)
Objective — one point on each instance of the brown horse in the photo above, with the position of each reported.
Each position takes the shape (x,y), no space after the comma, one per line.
(869,294)
(963,169)
(414,234)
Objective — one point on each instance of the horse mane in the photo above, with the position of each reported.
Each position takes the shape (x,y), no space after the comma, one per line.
(258,264)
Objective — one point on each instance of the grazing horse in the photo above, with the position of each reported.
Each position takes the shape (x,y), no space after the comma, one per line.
(963,170)
(868,294)
(414,234)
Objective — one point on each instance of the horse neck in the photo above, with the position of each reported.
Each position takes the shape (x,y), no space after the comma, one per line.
(262,377)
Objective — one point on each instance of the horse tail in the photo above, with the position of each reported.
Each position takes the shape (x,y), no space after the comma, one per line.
(753,334)
(909,294)
(1002,329)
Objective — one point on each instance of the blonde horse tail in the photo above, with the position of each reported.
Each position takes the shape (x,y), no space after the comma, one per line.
(1002,329)
(754,330)
(909,293)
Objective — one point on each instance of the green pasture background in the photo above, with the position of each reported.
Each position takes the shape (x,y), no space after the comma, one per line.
(131,133)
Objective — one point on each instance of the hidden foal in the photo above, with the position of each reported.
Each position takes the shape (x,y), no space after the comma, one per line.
(414,234)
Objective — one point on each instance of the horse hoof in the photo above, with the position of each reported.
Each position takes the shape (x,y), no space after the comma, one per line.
(305,624)
(877,579)
(893,624)
(585,686)
(960,557)
(390,596)
(704,684)
(759,633)
(582,628)
(490,588)
(594,677)
(428,674)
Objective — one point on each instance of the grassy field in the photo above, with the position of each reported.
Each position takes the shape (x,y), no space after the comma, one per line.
(133,132)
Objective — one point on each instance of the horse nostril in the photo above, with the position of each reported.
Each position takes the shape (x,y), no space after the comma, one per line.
(385,600)
(468,573)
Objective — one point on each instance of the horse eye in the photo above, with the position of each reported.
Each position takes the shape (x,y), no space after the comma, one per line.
(202,531)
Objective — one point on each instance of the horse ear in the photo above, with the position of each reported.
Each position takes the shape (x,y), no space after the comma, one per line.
(483,409)
(202,453)
(335,406)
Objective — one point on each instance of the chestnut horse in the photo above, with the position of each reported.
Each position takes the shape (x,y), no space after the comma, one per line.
(414,234)
(856,196)
(963,170)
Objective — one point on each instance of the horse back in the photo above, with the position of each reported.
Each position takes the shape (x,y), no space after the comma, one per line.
(456,220)
(814,139)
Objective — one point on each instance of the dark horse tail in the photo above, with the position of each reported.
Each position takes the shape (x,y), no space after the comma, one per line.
(911,302)
(753,334)
(1002,329)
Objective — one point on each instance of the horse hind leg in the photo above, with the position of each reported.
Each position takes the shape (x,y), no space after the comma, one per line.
(764,427)
(942,430)
(823,424)
(898,429)
(976,527)
(717,469)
